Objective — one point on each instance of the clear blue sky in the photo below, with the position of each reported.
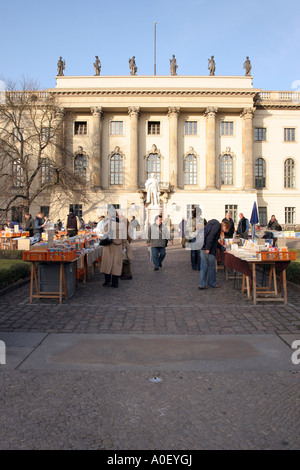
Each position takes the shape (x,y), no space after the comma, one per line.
(34,34)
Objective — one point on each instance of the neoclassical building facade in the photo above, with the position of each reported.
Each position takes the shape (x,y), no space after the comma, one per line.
(213,142)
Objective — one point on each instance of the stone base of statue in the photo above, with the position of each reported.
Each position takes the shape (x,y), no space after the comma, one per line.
(151,212)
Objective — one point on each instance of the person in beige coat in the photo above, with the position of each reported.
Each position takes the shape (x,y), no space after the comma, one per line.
(112,255)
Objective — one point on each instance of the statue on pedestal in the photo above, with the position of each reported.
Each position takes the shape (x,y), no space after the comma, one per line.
(152,189)
(97,65)
(132,66)
(173,66)
(211,65)
(247,66)
(61,65)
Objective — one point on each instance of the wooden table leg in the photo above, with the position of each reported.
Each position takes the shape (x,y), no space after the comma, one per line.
(248,286)
(254,282)
(274,278)
(31,283)
(62,282)
(284,286)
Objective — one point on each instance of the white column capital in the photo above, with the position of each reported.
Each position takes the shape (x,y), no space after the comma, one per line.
(211,111)
(97,111)
(134,111)
(173,111)
(247,113)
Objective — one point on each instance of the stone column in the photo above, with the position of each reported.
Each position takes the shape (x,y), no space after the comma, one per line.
(96,145)
(173,114)
(132,173)
(210,114)
(247,147)
(59,138)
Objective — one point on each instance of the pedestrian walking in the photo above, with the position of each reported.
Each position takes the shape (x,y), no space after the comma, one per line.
(158,237)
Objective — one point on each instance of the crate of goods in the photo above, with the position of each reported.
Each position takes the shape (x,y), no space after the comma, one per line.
(35,255)
(62,255)
(287,255)
(269,255)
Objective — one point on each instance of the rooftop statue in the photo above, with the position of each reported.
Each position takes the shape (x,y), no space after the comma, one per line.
(61,65)
(97,65)
(173,66)
(247,66)
(132,66)
(211,65)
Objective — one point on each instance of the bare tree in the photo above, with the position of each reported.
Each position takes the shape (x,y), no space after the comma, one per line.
(33,160)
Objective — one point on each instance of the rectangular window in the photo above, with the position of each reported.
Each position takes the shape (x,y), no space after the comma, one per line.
(47,171)
(80,128)
(233,211)
(18,133)
(153,127)
(47,134)
(190,128)
(190,208)
(263,219)
(45,210)
(17,174)
(116,128)
(16,214)
(289,215)
(289,134)
(77,209)
(260,134)
(226,128)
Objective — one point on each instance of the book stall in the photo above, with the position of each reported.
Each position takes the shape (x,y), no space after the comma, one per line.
(13,239)
(244,256)
(58,263)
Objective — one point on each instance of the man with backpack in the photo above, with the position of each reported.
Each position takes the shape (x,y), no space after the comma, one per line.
(72,224)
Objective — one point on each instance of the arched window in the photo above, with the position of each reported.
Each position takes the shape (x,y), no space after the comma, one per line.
(260,173)
(226,169)
(289,173)
(190,169)
(80,165)
(116,169)
(153,165)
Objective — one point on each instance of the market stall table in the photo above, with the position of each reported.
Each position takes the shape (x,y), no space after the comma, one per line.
(8,239)
(248,269)
(39,256)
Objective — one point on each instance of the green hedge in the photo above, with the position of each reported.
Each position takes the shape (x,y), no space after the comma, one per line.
(13,274)
(11,254)
(293,272)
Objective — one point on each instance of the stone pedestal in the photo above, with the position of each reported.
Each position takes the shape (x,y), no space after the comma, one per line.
(151,213)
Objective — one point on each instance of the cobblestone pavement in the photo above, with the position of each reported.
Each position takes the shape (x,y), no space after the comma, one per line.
(115,409)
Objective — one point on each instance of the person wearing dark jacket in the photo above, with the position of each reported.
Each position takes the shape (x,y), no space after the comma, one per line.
(274,224)
(29,224)
(230,233)
(72,224)
(212,232)
(39,225)
(242,227)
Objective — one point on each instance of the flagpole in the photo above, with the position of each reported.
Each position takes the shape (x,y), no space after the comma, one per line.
(154,47)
